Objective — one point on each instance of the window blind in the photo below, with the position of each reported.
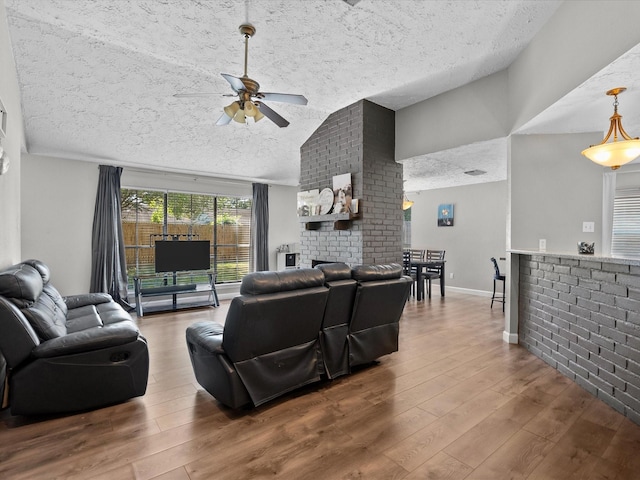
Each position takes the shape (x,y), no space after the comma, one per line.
(625,238)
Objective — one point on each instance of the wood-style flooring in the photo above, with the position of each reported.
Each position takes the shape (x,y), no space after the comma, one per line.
(454,403)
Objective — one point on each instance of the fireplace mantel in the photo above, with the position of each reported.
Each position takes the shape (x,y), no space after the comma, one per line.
(341,221)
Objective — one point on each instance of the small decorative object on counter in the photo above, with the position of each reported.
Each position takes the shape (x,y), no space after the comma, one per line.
(585,248)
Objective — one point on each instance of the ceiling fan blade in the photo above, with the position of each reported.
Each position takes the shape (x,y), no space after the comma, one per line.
(224,119)
(284,97)
(235,82)
(271,115)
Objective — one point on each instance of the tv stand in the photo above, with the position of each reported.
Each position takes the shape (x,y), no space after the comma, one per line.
(174,289)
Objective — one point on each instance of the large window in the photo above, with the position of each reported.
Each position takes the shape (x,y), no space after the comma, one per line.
(149,215)
(625,238)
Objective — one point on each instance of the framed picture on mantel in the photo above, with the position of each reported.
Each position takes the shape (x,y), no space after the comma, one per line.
(342,193)
(307,202)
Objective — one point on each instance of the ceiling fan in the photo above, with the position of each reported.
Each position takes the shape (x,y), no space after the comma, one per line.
(250,99)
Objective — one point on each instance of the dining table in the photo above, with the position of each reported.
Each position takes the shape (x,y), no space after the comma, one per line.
(421,266)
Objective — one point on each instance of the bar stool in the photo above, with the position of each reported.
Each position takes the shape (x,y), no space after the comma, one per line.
(497,277)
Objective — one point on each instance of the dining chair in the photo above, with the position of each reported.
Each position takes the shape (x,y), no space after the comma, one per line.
(497,277)
(433,272)
(407,269)
(416,254)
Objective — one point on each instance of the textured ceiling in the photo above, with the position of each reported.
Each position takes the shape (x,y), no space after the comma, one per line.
(97,77)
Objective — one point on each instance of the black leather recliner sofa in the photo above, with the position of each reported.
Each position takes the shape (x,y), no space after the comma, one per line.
(289,328)
(66,354)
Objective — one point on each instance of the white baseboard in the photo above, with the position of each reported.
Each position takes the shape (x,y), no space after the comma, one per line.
(510,337)
(469,291)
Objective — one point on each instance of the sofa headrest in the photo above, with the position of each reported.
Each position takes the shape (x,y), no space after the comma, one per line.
(368,273)
(42,269)
(335,271)
(258,283)
(21,282)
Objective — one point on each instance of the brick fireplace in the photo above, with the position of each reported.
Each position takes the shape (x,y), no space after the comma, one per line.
(359,139)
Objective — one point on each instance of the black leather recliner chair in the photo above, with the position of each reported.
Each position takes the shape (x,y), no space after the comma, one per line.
(269,343)
(337,316)
(66,354)
(375,322)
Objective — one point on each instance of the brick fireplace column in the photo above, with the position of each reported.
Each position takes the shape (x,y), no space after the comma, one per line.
(359,139)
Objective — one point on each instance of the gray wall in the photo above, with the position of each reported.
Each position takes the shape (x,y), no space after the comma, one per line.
(553,190)
(58,198)
(579,40)
(465,115)
(10,182)
(479,231)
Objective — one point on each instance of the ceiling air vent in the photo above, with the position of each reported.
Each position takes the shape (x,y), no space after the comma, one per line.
(475,173)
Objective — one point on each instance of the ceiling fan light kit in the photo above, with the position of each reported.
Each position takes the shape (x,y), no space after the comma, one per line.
(618,152)
(250,101)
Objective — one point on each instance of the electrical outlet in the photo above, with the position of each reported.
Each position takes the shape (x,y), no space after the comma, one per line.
(451,275)
(588,227)
(542,244)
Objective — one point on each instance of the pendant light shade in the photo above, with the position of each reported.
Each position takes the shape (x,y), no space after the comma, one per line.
(232,109)
(617,152)
(250,109)
(406,203)
(239,116)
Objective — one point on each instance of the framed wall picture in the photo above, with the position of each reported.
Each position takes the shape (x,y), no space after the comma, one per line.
(3,120)
(445,215)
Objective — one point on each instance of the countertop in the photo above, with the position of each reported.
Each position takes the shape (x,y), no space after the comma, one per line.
(577,256)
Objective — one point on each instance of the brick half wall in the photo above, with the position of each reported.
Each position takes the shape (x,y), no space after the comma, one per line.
(582,317)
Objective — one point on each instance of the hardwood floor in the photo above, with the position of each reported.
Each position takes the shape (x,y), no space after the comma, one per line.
(454,403)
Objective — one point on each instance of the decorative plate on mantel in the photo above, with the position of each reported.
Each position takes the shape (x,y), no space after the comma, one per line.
(325,200)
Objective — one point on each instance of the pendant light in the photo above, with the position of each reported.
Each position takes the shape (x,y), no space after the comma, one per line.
(406,203)
(618,152)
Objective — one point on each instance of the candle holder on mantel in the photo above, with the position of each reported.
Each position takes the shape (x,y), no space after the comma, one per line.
(585,248)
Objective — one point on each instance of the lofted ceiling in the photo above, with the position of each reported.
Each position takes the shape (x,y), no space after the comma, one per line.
(97,77)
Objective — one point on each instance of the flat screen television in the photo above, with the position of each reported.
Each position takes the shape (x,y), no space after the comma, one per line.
(178,255)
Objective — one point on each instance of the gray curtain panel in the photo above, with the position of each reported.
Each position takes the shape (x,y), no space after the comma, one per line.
(260,226)
(108,261)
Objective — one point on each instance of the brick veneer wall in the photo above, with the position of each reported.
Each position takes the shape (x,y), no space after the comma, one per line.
(583,317)
(359,139)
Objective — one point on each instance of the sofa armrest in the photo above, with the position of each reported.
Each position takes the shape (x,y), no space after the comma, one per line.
(207,335)
(76,301)
(88,340)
